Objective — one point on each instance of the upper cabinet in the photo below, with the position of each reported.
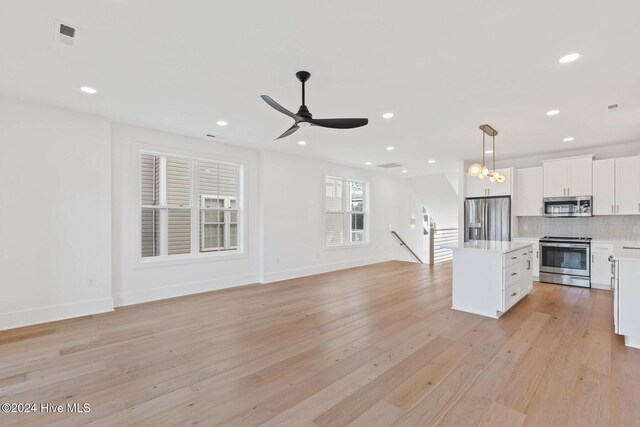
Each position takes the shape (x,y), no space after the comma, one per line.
(604,187)
(528,193)
(616,186)
(628,185)
(476,187)
(568,177)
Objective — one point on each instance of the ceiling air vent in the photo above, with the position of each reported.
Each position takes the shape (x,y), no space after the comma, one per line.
(65,34)
(389,165)
(613,107)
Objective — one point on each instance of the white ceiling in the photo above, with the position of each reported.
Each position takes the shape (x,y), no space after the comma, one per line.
(443,68)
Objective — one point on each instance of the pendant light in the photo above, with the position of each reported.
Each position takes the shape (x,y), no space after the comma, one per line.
(481,170)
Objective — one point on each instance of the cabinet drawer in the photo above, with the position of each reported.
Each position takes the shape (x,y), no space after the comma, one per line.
(512,295)
(512,258)
(512,274)
(605,248)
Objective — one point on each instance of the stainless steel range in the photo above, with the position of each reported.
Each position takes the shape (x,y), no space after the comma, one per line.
(566,260)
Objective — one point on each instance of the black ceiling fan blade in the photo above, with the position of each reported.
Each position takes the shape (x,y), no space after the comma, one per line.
(289,131)
(279,107)
(338,123)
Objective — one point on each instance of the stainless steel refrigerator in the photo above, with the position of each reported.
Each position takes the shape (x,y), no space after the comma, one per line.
(487,218)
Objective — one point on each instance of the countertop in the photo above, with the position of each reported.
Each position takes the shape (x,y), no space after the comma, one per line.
(627,252)
(489,246)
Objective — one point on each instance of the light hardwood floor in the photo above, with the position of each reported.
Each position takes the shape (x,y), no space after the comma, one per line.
(370,346)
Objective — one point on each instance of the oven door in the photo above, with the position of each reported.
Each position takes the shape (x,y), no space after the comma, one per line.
(565,258)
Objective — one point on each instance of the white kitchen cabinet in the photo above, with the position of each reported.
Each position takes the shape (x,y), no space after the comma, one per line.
(579,176)
(626,297)
(555,178)
(490,277)
(627,185)
(528,193)
(604,187)
(600,265)
(476,187)
(568,177)
(616,186)
(535,255)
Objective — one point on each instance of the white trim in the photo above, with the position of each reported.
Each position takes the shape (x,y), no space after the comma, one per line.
(324,268)
(346,212)
(198,255)
(182,289)
(52,313)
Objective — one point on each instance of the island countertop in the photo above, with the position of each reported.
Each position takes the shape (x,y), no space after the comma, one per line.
(489,245)
(627,251)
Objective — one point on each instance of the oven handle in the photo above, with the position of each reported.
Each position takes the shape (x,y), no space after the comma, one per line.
(564,245)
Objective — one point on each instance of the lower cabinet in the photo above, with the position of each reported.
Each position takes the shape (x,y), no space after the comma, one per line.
(517,277)
(600,265)
(535,255)
(489,281)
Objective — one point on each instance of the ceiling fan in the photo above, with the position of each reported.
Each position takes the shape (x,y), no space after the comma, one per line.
(303,118)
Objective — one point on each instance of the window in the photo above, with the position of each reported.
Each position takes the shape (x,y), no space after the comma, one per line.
(345,211)
(171,223)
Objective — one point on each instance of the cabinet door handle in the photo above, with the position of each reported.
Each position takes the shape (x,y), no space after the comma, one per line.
(513,294)
(617,208)
(592,259)
(537,254)
(514,257)
(568,191)
(513,274)
(525,253)
(528,264)
(612,209)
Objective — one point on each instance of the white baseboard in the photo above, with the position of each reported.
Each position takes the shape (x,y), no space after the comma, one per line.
(34,316)
(606,287)
(155,294)
(324,268)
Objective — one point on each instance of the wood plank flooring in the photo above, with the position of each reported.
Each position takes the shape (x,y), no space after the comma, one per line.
(370,346)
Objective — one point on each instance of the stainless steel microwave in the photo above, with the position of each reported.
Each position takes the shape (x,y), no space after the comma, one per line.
(568,206)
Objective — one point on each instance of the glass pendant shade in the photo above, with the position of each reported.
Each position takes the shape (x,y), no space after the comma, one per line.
(475,169)
(501,179)
(485,171)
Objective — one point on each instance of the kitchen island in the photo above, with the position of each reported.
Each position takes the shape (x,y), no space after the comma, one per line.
(490,277)
(626,293)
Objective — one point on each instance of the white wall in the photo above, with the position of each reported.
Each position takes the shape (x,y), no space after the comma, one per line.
(136,280)
(69,217)
(55,214)
(293,206)
(438,194)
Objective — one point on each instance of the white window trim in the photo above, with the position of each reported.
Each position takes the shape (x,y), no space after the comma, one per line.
(346,212)
(196,255)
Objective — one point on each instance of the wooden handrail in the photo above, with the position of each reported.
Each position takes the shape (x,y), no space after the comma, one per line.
(402,243)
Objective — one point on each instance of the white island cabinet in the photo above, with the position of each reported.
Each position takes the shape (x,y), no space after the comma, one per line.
(490,277)
(626,292)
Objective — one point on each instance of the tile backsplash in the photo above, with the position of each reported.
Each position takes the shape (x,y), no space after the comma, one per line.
(619,227)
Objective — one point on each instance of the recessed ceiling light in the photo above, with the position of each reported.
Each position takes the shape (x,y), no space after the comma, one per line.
(431,161)
(387,115)
(302,142)
(553,112)
(488,152)
(404,171)
(221,123)
(89,90)
(569,58)
(391,148)
(568,139)
(368,163)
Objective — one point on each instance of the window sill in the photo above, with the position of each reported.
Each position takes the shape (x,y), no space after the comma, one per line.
(348,245)
(188,259)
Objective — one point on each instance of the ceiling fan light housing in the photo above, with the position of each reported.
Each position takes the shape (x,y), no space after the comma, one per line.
(304,124)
